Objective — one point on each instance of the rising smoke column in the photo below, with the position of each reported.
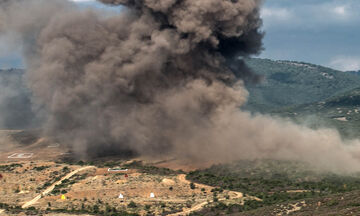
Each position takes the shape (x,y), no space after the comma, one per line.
(161,78)
(110,83)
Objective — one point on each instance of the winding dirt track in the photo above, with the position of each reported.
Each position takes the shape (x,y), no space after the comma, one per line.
(182,178)
(51,188)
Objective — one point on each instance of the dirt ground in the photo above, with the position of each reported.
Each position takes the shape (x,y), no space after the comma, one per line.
(172,193)
(41,183)
(100,187)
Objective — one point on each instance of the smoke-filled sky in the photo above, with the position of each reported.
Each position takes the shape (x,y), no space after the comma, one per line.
(161,78)
(322,32)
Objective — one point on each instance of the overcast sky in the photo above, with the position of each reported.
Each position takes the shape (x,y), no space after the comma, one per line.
(325,32)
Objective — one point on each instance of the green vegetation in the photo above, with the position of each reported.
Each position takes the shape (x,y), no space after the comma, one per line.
(308,94)
(289,83)
(132,204)
(92,210)
(340,111)
(56,176)
(40,168)
(15,209)
(229,208)
(274,181)
(66,183)
(10,167)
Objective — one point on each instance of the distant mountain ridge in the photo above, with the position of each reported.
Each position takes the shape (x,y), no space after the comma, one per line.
(354,72)
(309,94)
(290,83)
(341,111)
(289,88)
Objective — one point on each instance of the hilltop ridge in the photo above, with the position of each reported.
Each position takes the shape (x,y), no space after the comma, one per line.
(290,83)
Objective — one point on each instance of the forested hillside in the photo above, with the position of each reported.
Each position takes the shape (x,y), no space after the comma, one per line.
(293,83)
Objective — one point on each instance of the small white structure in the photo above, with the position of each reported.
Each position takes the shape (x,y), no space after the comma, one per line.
(121,196)
(152,195)
(21,155)
(56,145)
(117,169)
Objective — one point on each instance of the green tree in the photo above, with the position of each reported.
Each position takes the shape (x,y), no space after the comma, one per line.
(132,204)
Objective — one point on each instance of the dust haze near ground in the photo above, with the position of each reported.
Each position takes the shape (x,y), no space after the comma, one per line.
(5,142)
(161,78)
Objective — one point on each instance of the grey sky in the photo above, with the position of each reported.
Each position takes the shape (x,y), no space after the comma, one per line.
(324,32)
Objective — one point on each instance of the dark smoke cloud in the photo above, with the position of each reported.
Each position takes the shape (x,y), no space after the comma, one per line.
(110,83)
(161,78)
(229,28)
(15,105)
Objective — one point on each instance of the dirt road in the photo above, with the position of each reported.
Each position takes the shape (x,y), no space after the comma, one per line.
(182,178)
(51,188)
(192,209)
